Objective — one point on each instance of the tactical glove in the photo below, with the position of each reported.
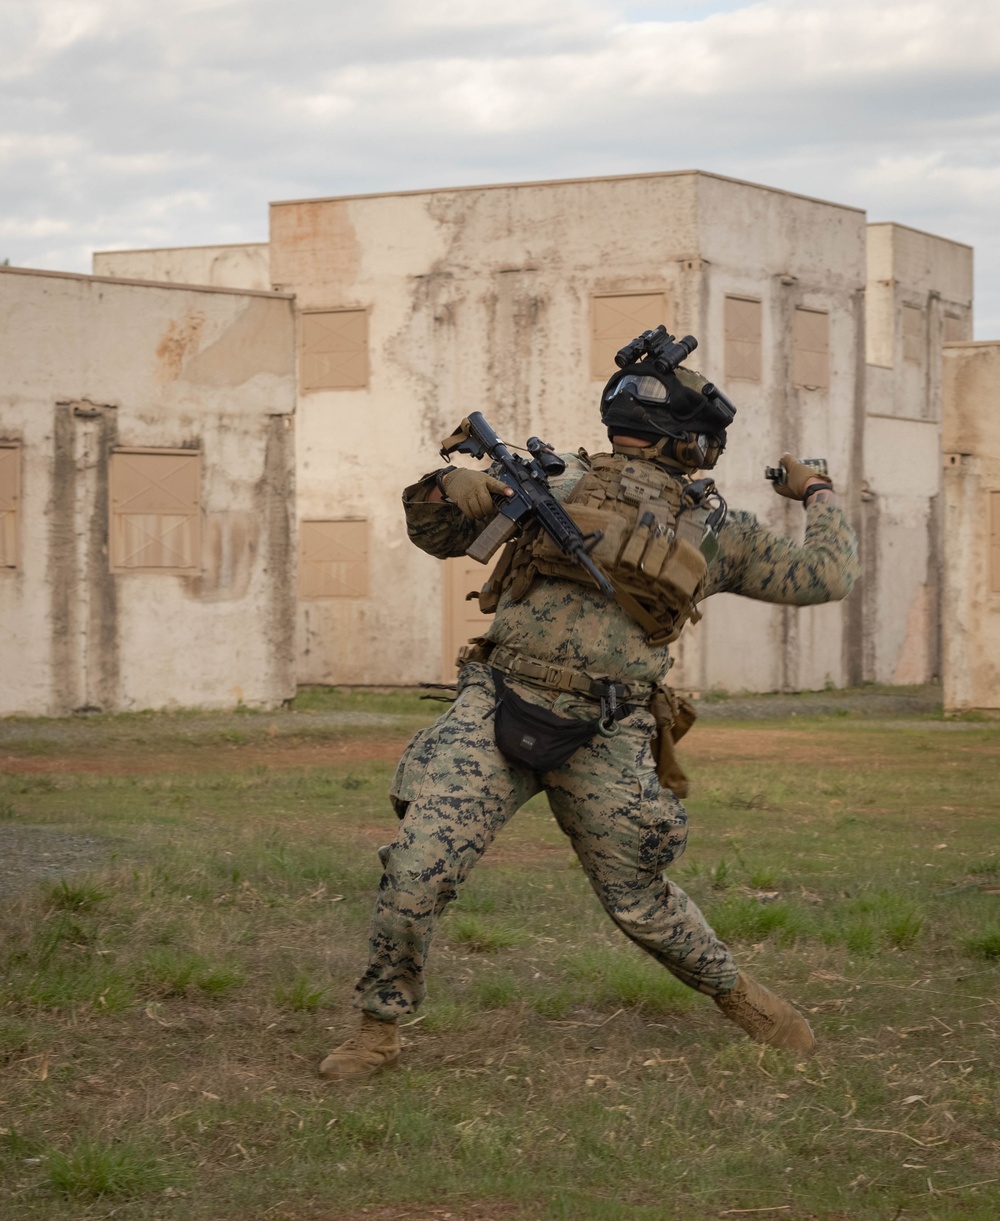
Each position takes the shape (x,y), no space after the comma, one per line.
(471,492)
(797,475)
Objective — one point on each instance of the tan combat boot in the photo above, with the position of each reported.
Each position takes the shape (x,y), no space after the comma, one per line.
(766,1017)
(374,1047)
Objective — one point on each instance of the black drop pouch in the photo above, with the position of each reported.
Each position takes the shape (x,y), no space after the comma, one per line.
(535,737)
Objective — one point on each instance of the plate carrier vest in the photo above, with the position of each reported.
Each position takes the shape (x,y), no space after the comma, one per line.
(657,539)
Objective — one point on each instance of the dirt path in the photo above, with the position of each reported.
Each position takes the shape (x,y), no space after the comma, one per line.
(148,761)
(707,743)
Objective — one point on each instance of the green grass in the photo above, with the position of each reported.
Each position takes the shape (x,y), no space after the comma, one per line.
(161,1018)
(984,945)
(76,895)
(90,1170)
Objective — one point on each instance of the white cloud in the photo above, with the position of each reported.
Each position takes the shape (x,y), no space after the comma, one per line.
(129,123)
(38,227)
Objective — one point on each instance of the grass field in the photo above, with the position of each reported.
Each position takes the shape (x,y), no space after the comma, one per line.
(162,1012)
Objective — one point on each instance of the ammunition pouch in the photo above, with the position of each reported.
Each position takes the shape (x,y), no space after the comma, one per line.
(651,544)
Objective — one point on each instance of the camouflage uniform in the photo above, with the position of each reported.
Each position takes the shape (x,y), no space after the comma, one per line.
(457,790)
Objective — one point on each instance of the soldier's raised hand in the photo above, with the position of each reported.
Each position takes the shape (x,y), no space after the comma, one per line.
(798,477)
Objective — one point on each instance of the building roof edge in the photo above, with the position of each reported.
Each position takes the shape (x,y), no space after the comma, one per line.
(558,182)
(198,288)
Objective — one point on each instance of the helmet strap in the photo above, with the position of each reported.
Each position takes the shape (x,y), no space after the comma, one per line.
(657,452)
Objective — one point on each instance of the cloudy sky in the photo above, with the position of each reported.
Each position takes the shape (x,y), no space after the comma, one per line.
(130,123)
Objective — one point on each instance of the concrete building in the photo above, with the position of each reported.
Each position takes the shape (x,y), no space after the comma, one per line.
(243,266)
(146,495)
(971,549)
(417,307)
(918,296)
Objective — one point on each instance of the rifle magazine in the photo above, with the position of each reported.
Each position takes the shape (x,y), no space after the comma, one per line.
(499,531)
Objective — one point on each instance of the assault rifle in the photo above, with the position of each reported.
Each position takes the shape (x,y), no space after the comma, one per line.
(531,499)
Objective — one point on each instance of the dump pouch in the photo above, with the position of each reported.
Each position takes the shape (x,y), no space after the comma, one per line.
(533,736)
(674,716)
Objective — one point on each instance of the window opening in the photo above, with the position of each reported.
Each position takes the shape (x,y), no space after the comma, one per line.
(334,349)
(10,504)
(811,348)
(743,338)
(155,510)
(333,558)
(616,318)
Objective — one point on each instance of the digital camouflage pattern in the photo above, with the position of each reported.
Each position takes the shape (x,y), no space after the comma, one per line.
(457,791)
(568,623)
(461,791)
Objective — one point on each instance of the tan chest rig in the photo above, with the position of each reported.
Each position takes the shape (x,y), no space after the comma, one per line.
(655,545)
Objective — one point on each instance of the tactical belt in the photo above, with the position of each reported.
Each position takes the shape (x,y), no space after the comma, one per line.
(557,678)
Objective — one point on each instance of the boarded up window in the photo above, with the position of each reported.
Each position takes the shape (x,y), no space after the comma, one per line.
(614,320)
(743,323)
(334,349)
(155,510)
(333,559)
(10,504)
(811,348)
(954,329)
(914,342)
(995,542)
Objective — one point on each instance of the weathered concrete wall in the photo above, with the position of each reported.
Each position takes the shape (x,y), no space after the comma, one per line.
(971,493)
(919,295)
(481,298)
(901,550)
(477,299)
(787,251)
(919,291)
(92,365)
(244,266)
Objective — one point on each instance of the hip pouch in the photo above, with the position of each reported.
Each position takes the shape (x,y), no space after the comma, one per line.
(533,736)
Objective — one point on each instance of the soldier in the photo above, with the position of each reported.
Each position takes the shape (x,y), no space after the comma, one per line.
(565,668)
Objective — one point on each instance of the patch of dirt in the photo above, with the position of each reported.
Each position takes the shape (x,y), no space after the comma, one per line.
(705,743)
(279,755)
(31,854)
(715,743)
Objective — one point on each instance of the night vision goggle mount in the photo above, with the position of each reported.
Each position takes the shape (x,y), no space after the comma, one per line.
(661,349)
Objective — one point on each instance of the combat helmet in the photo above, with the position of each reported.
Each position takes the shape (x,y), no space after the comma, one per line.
(656,401)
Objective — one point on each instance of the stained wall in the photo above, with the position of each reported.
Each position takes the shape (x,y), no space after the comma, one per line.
(94,367)
(971,534)
(484,298)
(918,296)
